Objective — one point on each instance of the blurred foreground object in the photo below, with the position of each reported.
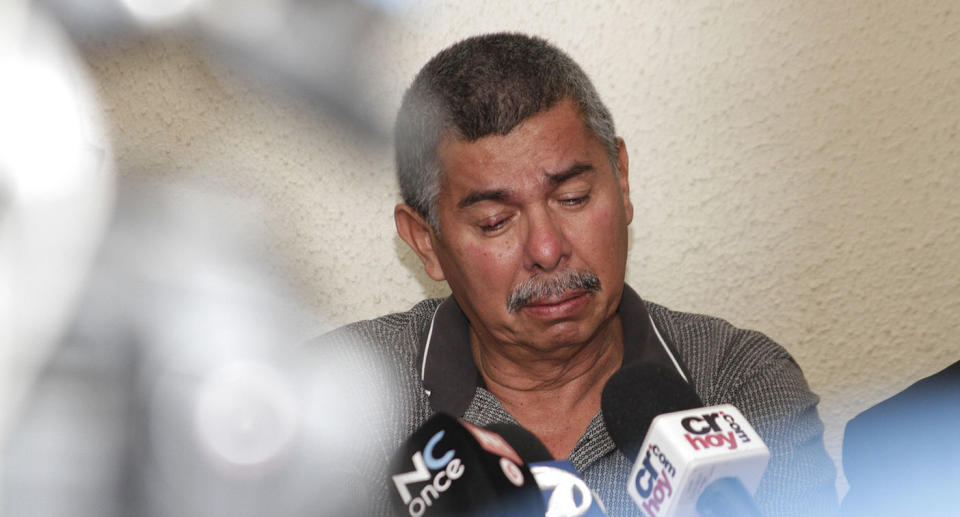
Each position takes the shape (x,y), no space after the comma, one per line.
(901,455)
(181,388)
(323,50)
(56,181)
(152,366)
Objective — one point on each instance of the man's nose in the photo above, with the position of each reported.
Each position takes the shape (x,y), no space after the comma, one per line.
(546,244)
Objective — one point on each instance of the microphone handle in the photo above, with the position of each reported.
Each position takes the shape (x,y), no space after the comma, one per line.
(726,497)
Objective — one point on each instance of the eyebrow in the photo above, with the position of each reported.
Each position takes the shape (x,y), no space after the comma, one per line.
(485,195)
(555,179)
(575,170)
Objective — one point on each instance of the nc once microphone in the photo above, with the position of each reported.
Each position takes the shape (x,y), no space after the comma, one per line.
(692,461)
(449,467)
(565,493)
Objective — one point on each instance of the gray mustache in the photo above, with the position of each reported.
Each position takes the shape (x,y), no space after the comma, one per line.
(544,287)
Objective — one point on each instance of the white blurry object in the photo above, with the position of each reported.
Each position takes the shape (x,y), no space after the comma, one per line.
(320,49)
(183,388)
(151,12)
(241,19)
(327,52)
(56,183)
(246,413)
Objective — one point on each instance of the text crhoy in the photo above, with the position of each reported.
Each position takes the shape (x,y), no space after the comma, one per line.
(653,486)
(708,432)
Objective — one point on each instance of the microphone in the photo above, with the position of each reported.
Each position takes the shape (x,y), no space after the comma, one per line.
(527,445)
(451,467)
(635,395)
(693,460)
(565,493)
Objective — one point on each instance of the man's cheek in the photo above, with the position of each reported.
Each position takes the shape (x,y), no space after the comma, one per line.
(491,250)
(596,221)
(478,257)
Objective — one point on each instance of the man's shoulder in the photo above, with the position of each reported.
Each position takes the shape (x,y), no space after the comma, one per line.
(749,370)
(700,337)
(418,316)
(731,364)
(374,390)
(710,327)
(399,332)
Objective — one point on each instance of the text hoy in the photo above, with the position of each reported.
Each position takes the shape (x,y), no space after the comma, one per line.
(712,440)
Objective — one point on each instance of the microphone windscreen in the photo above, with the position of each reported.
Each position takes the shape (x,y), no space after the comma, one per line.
(450,467)
(528,446)
(636,394)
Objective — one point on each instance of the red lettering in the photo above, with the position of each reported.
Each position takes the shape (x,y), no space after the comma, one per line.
(662,491)
(712,440)
(696,442)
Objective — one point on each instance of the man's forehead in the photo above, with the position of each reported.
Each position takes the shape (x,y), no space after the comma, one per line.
(544,145)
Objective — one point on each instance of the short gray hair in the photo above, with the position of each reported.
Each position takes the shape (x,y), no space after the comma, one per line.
(482,86)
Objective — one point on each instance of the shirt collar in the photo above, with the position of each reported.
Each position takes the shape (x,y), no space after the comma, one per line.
(450,376)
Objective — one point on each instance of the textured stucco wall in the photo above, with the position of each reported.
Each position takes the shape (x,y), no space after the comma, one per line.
(795,167)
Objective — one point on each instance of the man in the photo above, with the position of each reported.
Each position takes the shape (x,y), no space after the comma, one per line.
(516,193)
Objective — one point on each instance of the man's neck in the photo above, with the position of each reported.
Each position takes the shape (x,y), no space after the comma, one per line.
(537,386)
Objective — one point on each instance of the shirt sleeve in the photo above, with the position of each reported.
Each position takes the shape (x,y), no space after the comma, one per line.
(763,381)
(749,370)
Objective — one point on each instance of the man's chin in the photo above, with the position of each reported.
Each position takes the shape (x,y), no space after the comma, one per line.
(571,332)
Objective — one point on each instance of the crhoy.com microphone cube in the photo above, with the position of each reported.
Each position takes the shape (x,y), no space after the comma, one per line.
(686,451)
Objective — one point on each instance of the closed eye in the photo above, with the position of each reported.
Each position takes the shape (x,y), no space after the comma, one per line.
(493,225)
(574,201)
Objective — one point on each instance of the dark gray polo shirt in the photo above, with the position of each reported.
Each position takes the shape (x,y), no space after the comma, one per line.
(424,357)
(454,386)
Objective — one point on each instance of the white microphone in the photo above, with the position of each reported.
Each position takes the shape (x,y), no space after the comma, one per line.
(693,460)
(687,453)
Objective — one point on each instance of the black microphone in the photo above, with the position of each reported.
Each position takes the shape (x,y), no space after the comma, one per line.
(527,445)
(635,395)
(692,458)
(451,467)
(565,493)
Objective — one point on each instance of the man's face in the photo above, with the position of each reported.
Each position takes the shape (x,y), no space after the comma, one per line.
(539,204)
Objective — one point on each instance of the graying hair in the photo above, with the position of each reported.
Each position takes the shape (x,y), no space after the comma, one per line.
(482,86)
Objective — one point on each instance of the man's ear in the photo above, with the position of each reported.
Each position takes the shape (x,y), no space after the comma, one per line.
(418,234)
(623,176)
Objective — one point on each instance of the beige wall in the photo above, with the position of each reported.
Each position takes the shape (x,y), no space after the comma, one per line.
(795,167)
